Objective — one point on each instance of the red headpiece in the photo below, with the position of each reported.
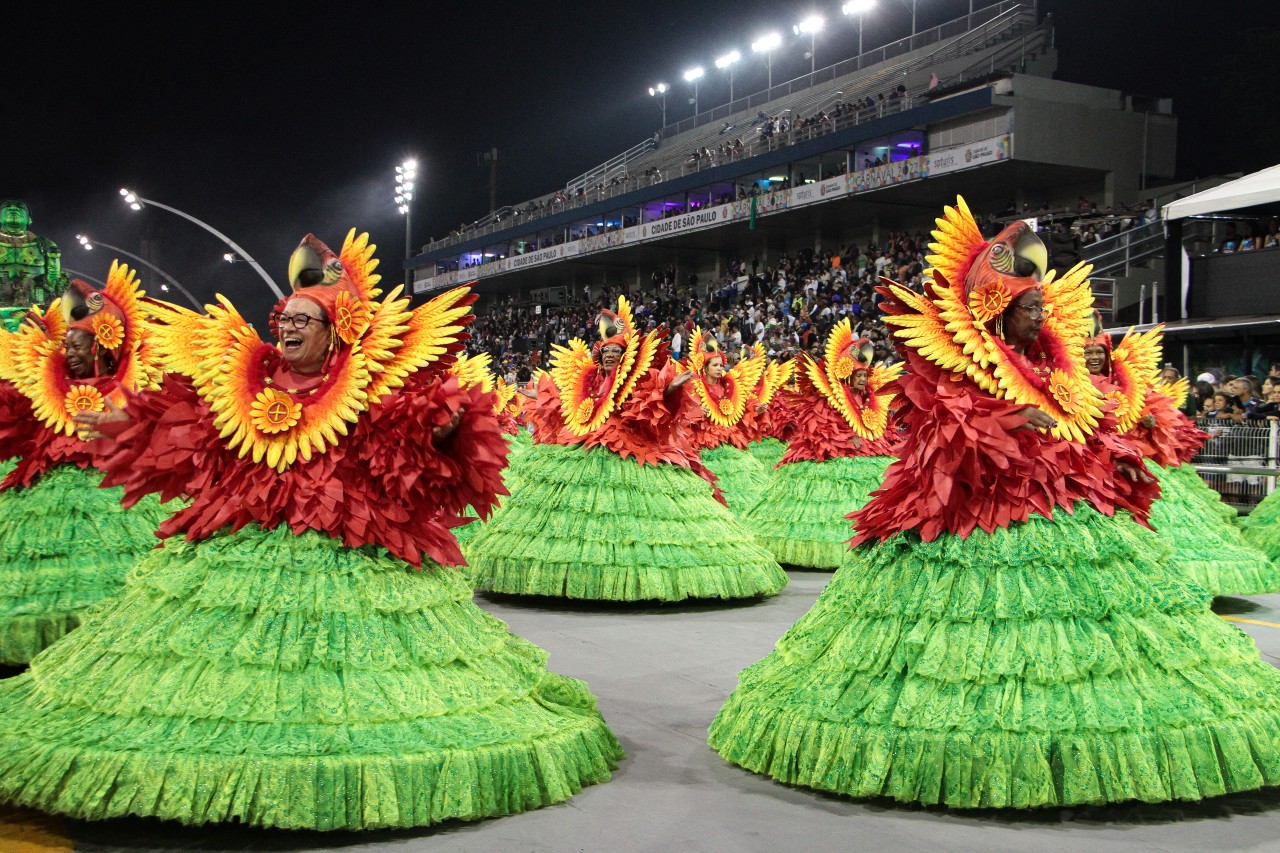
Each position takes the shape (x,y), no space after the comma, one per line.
(613,330)
(90,310)
(317,274)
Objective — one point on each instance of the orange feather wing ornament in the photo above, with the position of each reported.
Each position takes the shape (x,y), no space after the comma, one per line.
(584,404)
(230,366)
(1135,363)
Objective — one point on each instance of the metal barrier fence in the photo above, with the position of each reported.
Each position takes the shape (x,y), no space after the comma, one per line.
(1240,460)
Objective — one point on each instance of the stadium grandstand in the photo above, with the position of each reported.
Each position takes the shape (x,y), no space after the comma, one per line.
(770,217)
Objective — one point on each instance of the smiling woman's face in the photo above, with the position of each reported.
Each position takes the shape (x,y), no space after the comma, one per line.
(610,356)
(303,349)
(78,353)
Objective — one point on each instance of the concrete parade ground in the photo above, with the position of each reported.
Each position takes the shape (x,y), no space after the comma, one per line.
(660,674)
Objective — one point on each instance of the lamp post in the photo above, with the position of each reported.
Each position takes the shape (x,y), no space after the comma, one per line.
(810,26)
(728,61)
(765,44)
(693,75)
(859,8)
(406,176)
(660,91)
(88,244)
(136,202)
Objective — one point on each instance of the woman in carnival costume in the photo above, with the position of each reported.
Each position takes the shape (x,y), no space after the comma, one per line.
(997,637)
(65,544)
(475,372)
(839,450)
(768,434)
(1213,552)
(303,658)
(725,406)
(612,502)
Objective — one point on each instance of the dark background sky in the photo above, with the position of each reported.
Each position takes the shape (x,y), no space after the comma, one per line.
(271,123)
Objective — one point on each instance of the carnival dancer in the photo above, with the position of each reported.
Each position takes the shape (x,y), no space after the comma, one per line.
(66,544)
(476,371)
(724,406)
(612,502)
(297,654)
(998,637)
(1212,552)
(769,433)
(840,447)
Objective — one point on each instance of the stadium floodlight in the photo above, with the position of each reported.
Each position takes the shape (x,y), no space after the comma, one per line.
(766,45)
(861,8)
(406,176)
(660,91)
(810,26)
(693,75)
(728,61)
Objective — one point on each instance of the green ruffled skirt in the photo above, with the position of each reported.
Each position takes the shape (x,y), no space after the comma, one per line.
(291,681)
(768,451)
(800,517)
(65,544)
(1213,552)
(1193,485)
(590,524)
(1051,663)
(1261,527)
(516,445)
(740,476)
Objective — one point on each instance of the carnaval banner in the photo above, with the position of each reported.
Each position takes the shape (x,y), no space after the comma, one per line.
(887,175)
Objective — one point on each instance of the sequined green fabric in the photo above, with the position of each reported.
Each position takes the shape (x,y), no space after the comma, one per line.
(769,451)
(800,517)
(590,524)
(65,544)
(1050,663)
(1194,486)
(1212,551)
(740,476)
(516,445)
(290,681)
(1261,527)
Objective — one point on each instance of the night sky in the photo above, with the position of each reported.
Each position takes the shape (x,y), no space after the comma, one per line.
(269,125)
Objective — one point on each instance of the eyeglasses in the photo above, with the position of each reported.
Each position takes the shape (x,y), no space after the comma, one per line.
(297,322)
(1033,311)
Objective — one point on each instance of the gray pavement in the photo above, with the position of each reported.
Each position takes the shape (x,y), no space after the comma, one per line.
(660,674)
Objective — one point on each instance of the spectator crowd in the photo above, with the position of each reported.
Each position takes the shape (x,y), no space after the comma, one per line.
(785,307)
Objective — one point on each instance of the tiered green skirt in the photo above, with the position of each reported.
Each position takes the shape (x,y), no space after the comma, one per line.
(590,524)
(800,517)
(740,476)
(291,681)
(1194,486)
(1213,552)
(1261,527)
(65,544)
(516,444)
(1051,663)
(768,451)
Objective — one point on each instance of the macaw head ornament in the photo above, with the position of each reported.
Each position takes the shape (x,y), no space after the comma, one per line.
(319,275)
(615,330)
(1003,269)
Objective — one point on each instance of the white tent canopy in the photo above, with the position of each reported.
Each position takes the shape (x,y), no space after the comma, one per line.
(1259,188)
